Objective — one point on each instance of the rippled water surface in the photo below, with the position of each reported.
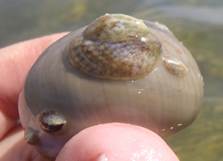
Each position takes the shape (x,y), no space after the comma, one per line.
(197,23)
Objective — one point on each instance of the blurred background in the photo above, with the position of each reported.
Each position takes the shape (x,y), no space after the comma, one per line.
(197,23)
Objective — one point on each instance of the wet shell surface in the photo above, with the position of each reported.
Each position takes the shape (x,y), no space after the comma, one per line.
(116,69)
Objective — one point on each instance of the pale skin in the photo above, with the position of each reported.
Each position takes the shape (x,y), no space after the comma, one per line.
(113,141)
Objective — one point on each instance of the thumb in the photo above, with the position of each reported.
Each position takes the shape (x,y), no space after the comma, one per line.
(116,142)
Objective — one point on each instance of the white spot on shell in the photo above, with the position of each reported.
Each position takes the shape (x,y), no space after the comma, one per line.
(179,124)
(171,128)
(143,39)
(175,67)
(102,157)
(140,91)
(200,77)
(137,22)
(161,26)
(163,130)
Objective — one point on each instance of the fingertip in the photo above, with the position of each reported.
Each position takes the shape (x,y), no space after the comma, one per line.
(116,142)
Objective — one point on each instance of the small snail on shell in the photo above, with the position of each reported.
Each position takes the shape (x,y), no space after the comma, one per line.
(116,69)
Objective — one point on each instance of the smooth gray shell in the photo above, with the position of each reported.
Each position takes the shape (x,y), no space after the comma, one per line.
(165,101)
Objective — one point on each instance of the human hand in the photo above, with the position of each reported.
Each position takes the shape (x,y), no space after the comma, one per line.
(106,142)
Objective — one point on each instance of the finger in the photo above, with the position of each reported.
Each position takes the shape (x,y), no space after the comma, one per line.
(108,142)
(116,142)
(14,148)
(15,62)
(6,124)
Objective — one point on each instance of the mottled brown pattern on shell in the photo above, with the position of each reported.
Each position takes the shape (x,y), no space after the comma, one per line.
(116,61)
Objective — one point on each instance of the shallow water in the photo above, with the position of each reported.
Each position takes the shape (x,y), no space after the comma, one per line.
(197,23)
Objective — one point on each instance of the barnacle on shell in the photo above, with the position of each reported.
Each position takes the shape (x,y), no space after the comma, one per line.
(117,47)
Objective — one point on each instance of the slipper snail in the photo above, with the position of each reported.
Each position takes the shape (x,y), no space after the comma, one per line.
(116,69)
